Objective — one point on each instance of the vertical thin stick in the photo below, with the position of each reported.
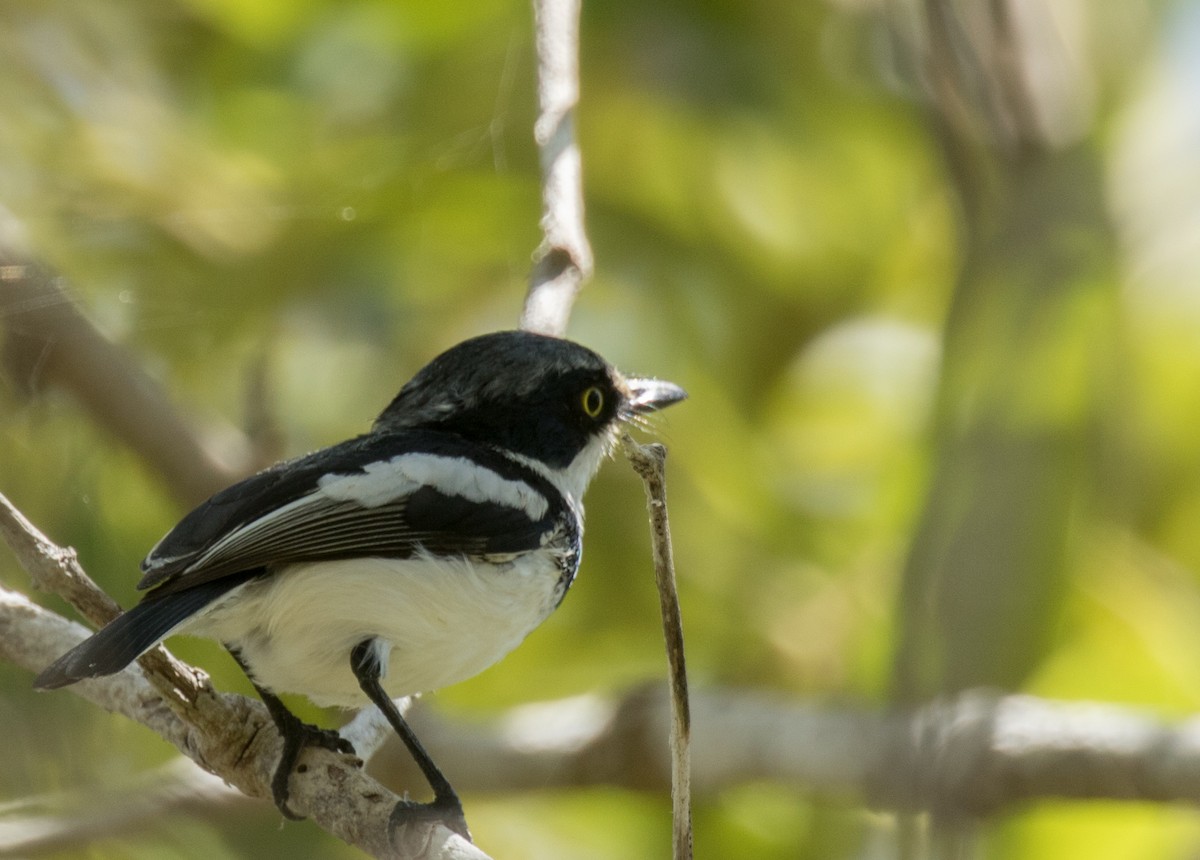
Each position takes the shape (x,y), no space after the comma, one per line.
(563,261)
(650,461)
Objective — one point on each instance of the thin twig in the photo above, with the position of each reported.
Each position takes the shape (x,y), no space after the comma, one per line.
(563,261)
(650,461)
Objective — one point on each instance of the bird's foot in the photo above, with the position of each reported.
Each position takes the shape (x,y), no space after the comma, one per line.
(445,810)
(328,739)
(296,736)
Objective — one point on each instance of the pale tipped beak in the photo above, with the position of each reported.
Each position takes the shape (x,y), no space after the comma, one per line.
(650,395)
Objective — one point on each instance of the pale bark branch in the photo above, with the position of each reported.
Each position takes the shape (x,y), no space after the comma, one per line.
(563,261)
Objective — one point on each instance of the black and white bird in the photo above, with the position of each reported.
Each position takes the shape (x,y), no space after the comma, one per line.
(421,552)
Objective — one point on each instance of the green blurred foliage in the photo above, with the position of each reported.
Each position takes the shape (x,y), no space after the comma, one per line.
(342,189)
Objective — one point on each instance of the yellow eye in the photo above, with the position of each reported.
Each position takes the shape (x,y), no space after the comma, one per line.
(592,401)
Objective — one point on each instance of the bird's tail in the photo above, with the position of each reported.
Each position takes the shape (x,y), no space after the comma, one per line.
(131,634)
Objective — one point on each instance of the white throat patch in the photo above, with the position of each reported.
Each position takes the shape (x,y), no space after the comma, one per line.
(573,479)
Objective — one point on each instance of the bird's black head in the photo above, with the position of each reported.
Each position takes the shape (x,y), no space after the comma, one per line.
(544,398)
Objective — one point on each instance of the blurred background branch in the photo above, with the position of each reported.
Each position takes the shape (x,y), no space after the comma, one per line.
(48,341)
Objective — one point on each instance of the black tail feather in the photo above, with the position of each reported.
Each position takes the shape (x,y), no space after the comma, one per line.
(131,634)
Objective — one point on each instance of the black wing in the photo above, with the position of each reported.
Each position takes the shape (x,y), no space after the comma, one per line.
(282,515)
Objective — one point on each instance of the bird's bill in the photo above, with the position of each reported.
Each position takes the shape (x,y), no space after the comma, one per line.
(650,395)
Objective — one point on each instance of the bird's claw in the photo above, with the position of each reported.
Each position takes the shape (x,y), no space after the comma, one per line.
(326,739)
(446,811)
(296,738)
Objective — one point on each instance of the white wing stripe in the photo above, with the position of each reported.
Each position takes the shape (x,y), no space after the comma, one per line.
(386,480)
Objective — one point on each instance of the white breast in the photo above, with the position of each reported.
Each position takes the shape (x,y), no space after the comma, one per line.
(445,620)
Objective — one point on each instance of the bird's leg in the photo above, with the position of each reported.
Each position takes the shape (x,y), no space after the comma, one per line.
(445,807)
(296,735)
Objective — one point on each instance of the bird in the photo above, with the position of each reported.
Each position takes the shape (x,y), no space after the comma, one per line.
(420,552)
